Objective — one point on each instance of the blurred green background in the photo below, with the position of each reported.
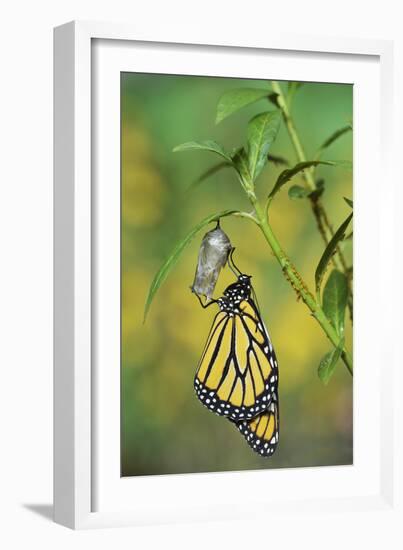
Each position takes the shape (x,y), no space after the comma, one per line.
(164,427)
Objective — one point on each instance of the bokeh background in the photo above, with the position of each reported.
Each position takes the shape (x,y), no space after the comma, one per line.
(164,427)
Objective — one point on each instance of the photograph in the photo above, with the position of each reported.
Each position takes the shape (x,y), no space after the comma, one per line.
(236,265)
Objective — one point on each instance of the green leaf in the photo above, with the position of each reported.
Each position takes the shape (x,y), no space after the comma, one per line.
(328,363)
(277,160)
(210,172)
(349,202)
(335,136)
(329,251)
(173,258)
(240,161)
(346,164)
(298,192)
(262,131)
(289,173)
(207,145)
(334,302)
(233,100)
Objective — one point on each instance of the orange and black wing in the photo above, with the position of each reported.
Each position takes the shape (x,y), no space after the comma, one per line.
(237,375)
(262,432)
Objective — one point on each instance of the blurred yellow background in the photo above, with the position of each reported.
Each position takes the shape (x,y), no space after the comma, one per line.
(164,427)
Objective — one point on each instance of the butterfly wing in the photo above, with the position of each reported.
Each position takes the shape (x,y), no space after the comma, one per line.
(237,375)
(262,431)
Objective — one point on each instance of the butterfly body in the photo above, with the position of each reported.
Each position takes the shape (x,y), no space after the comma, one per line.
(237,376)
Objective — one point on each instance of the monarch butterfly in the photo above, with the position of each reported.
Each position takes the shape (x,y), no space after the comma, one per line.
(237,375)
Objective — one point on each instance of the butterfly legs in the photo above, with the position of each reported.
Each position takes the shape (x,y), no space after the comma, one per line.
(204,306)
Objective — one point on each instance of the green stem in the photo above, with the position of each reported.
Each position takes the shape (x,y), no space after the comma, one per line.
(296,280)
(317,207)
(299,150)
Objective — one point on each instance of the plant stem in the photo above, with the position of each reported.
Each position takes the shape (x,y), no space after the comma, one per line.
(299,150)
(318,209)
(296,280)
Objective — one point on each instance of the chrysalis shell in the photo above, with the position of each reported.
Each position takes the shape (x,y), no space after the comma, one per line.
(213,255)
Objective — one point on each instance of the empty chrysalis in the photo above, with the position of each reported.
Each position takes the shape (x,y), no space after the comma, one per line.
(213,255)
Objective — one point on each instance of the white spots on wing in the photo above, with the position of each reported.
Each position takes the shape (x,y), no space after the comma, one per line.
(266,403)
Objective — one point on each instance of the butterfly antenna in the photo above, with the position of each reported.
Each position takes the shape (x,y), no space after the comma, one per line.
(206,304)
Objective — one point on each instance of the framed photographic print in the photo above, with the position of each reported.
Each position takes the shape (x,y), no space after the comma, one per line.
(218,234)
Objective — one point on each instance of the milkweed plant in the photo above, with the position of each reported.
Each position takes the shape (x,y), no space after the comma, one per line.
(333,294)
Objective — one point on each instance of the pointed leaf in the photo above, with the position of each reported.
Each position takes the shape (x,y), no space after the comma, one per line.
(329,362)
(172,259)
(289,173)
(210,172)
(277,160)
(329,251)
(335,136)
(262,131)
(346,164)
(349,202)
(335,296)
(207,145)
(233,100)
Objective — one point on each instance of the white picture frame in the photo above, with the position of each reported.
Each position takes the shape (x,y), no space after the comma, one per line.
(88,490)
